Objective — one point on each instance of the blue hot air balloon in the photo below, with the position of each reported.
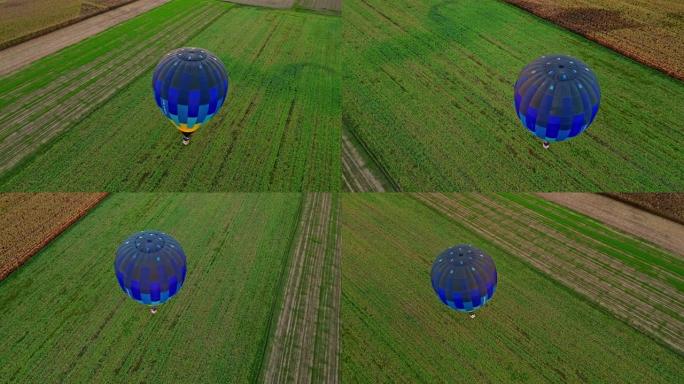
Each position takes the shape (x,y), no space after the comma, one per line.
(190,86)
(556,97)
(464,278)
(150,267)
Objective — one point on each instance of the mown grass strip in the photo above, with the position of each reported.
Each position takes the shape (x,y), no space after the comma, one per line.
(394,329)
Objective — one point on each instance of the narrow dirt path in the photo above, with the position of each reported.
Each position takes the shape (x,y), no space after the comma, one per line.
(41,114)
(292,354)
(355,174)
(658,230)
(650,304)
(18,56)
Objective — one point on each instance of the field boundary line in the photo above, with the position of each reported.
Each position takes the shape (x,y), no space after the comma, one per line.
(292,353)
(346,127)
(642,207)
(257,370)
(660,68)
(5,272)
(25,46)
(13,166)
(677,245)
(664,326)
(20,39)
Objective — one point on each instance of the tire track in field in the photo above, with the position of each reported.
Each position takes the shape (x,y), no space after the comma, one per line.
(15,57)
(355,174)
(649,304)
(291,354)
(42,115)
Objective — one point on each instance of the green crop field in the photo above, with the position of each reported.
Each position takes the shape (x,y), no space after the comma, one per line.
(428,91)
(395,329)
(65,319)
(85,118)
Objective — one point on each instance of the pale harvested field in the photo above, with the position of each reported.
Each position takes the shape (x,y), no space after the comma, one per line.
(305,345)
(31,220)
(638,222)
(649,31)
(635,282)
(18,56)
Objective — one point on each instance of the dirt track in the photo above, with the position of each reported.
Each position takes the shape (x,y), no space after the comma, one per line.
(35,117)
(306,338)
(649,303)
(266,3)
(355,174)
(660,231)
(18,56)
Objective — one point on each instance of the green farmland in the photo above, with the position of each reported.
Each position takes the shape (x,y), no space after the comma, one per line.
(84,119)
(65,319)
(394,328)
(428,94)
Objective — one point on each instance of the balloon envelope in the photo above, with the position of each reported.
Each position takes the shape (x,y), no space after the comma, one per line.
(464,277)
(150,267)
(556,97)
(190,86)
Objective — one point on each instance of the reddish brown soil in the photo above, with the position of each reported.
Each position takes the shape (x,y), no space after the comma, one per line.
(648,31)
(31,220)
(668,205)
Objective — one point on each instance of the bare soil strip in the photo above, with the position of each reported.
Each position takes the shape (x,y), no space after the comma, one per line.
(648,31)
(31,220)
(18,56)
(665,204)
(291,354)
(355,174)
(282,4)
(638,222)
(42,114)
(649,304)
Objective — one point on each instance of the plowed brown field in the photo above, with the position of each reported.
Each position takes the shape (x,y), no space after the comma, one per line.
(668,205)
(31,220)
(649,31)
